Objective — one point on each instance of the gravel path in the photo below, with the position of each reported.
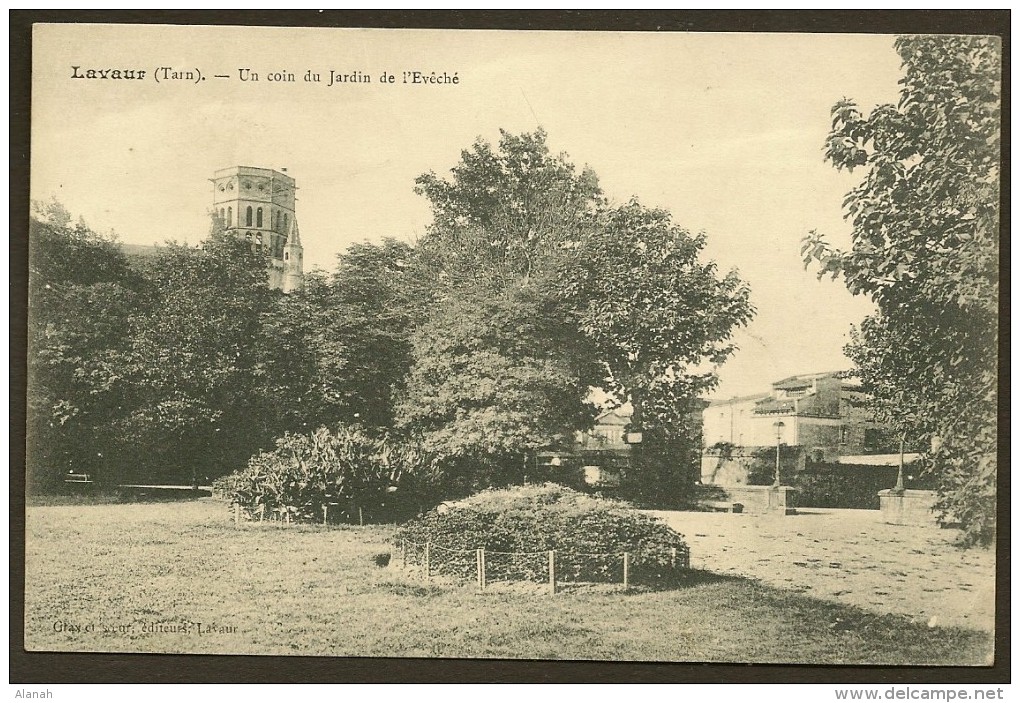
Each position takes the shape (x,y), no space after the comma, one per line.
(851,557)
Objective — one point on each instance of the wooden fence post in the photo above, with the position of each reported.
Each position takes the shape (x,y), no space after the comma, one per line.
(552,570)
(403,554)
(428,559)
(237,514)
(287,517)
(361,518)
(325,513)
(626,570)
(672,557)
(480,563)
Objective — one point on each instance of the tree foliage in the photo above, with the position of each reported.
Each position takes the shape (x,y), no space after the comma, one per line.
(480,343)
(376,301)
(925,249)
(504,212)
(179,365)
(82,297)
(544,290)
(658,319)
(196,370)
(497,369)
(494,381)
(343,341)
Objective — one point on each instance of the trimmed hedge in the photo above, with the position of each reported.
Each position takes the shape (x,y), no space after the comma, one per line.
(849,485)
(519,526)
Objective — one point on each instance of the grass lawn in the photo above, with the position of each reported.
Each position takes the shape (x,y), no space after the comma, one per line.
(180,577)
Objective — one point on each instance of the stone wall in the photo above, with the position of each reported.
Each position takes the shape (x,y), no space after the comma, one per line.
(761,499)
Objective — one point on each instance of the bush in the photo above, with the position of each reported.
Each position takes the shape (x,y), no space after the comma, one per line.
(347,469)
(762,469)
(966,476)
(850,485)
(224,486)
(519,526)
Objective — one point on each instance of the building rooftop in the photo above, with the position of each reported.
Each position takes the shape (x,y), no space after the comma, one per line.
(805,379)
(253,171)
(617,416)
(738,399)
(771,406)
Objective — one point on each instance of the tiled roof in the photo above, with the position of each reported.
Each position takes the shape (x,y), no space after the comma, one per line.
(771,406)
(791,384)
(803,380)
(613,417)
(740,399)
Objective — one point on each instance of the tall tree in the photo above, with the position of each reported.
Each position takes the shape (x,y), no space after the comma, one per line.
(360,324)
(658,319)
(196,367)
(82,296)
(520,235)
(498,369)
(925,249)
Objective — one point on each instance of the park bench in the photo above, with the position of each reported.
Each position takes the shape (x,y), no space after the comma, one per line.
(723,506)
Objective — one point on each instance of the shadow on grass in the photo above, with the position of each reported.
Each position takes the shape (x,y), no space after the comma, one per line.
(756,600)
(840,620)
(115,495)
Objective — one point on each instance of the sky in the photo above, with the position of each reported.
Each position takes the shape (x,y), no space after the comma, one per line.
(725,130)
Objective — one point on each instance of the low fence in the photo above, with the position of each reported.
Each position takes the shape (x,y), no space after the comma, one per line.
(260,514)
(550,567)
(487,566)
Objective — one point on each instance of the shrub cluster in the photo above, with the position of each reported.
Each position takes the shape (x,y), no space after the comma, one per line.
(851,486)
(518,527)
(346,469)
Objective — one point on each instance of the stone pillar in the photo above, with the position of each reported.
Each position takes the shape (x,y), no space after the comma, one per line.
(907,507)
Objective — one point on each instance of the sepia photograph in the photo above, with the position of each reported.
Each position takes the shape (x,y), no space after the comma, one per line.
(604,346)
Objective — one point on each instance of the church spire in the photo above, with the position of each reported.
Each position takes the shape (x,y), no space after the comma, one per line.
(293,260)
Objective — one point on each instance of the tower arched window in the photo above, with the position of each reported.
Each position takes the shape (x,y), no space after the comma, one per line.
(285,222)
(247,217)
(230,216)
(258,218)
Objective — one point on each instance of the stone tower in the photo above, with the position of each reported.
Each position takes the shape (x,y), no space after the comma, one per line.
(258,204)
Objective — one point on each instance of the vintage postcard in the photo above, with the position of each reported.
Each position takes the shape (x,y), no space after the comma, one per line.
(519,345)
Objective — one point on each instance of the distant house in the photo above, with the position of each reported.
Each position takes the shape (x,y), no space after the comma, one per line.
(608,431)
(605,453)
(602,451)
(822,413)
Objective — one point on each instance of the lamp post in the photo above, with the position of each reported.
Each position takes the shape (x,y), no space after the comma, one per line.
(779,425)
(899,474)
